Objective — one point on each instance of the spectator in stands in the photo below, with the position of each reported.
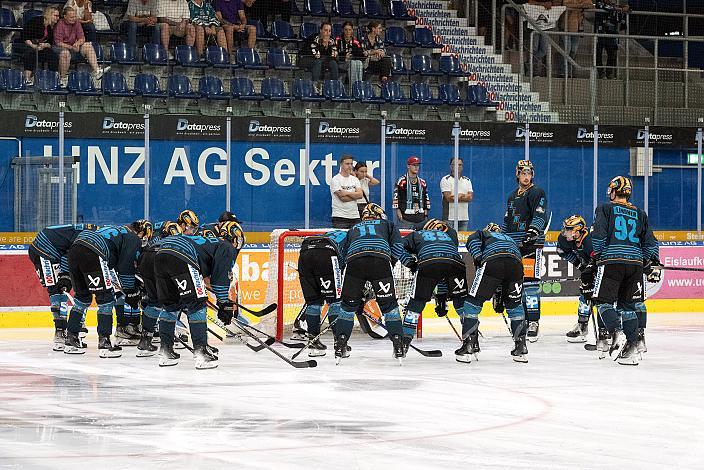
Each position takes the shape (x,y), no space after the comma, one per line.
(233,19)
(573,24)
(373,44)
(545,15)
(141,16)
(465,194)
(351,54)
(175,20)
(68,35)
(84,13)
(365,181)
(324,52)
(345,191)
(411,199)
(38,37)
(609,21)
(207,25)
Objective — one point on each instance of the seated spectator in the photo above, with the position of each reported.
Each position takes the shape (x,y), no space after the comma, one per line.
(84,13)
(230,14)
(373,43)
(141,16)
(323,50)
(175,20)
(351,53)
(38,37)
(207,25)
(68,35)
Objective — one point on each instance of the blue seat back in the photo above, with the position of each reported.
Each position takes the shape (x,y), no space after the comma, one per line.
(363,90)
(397,64)
(216,55)
(241,86)
(261,30)
(185,54)
(29,14)
(120,51)
(370,8)
(248,56)
(278,57)
(46,80)
(7,18)
(449,64)
(155,54)
(421,92)
(80,81)
(114,82)
(334,89)
(282,30)
(392,91)
(209,85)
(179,85)
(424,37)
(399,9)
(273,87)
(303,88)
(13,79)
(450,93)
(146,83)
(395,35)
(308,29)
(421,63)
(342,7)
(315,7)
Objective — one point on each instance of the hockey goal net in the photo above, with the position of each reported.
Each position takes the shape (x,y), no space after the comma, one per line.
(284,287)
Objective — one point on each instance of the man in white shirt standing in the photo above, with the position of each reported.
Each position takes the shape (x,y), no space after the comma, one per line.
(345,190)
(465,195)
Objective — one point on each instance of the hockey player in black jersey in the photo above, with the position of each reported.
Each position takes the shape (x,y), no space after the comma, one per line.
(525,222)
(188,220)
(320,269)
(622,240)
(435,247)
(182,262)
(91,258)
(369,249)
(48,255)
(498,261)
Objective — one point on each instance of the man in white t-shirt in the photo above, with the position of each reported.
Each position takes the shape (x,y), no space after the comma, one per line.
(345,190)
(465,194)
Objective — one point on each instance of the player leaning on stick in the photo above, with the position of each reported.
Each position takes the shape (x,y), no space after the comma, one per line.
(182,262)
(525,222)
(369,249)
(499,265)
(622,240)
(435,246)
(48,255)
(91,258)
(320,269)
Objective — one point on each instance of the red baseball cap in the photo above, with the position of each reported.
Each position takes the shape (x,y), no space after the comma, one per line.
(413,161)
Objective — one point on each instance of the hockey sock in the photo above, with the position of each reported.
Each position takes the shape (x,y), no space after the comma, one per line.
(167,326)
(609,316)
(333,312)
(149,318)
(345,322)
(642,314)
(132,315)
(313,319)
(518,328)
(120,311)
(198,327)
(583,310)
(469,315)
(75,317)
(410,323)
(392,320)
(105,319)
(630,324)
(531,298)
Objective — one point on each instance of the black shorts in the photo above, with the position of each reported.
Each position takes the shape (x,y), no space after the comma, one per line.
(179,286)
(622,283)
(90,275)
(320,276)
(376,270)
(47,271)
(429,275)
(146,269)
(504,271)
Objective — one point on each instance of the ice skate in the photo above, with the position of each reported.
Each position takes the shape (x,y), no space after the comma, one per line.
(399,351)
(533,329)
(83,332)
(316,348)
(179,344)
(59,339)
(126,336)
(341,348)
(73,344)
(106,348)
(204,359)
(145,348)
(299,335)
(212,350)
(640,345)
(520,350)
(603,342)
(578,334)
(464,353)
(629,355)
(167,356)
(617,344)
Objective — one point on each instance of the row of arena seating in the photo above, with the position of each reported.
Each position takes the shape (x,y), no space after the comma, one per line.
(272,88)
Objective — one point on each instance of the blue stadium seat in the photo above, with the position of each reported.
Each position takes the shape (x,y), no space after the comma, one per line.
(295,11)
(81,83)
(249,59)
(121,53)
(180,87)
(423,65)
(47,82)
(242,88)
(315,8)
(449,93)
(450,65)
(279,59)
(303,90)
(99,56)
(218,57)
(187,56)
(400,12)
(423,37)
(343,8)
(398,66)
(396,36)
(262,33)
(308,29)
(371,9)
(282,31)
(364,92)
(334,90)
(211,87)
(273,89)
(422,94)
(393,93)
(7,20)
(12,81)
(155,54)
(29,14)
(114,84)
(147,85)
(478,95)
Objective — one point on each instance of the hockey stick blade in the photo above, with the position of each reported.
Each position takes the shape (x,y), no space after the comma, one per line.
(259,313)
(255,347)
(422,352)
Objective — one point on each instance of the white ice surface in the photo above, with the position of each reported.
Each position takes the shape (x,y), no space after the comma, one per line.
(564,409)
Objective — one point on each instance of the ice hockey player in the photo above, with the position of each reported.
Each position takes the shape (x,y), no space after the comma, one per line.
(188,220)
(150,303)
(369,249)
(91,258)
(320,269)
(435,247)
(499,264)
(181,263)
(622,239)
(209,228)
(525,222)
(48,255)
(574,244)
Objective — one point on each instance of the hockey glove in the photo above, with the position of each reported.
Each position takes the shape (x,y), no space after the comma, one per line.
(132,297)
(587,270)
(63,282)
(412,266)
(529,239)
(653,271)
(441,305)
(226,312)
(497,301)
(586,288)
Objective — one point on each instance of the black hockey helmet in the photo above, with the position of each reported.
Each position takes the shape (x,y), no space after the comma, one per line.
(575,222)
(620,186)
(232,232)
(188,218)
(144,227)
(373,211)
(435,224)
(170,228)
(228,216)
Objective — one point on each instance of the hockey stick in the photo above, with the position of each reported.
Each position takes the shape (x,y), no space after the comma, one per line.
(255,348)
(325,330)
(453,328)
(257,313)
(592,347)
(178,337)
(422,352)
